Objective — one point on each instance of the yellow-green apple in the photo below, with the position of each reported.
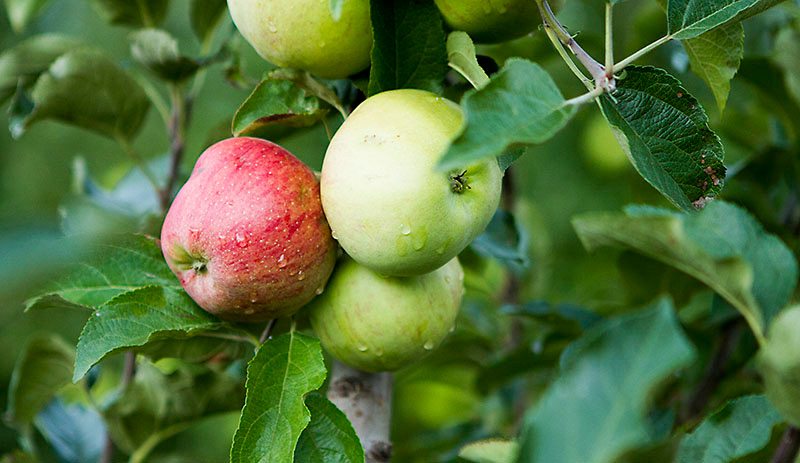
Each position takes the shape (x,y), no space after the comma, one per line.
(304,34)
(377,323)
(389,206)
(490,21)
(246,234)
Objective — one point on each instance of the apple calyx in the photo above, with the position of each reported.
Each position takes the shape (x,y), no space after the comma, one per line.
(185,260)
(459,182)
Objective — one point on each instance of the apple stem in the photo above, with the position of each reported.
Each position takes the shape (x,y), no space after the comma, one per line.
(267,330)
(366,400)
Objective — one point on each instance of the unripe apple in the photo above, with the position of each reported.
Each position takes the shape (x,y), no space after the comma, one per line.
(304,34)
(377,323)
(389,206)
(246,235)
(490,21)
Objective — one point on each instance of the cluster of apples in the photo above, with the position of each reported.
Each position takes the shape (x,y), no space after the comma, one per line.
(253,234)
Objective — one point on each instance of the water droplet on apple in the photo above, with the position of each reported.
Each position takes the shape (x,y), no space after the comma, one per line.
(272,28)
(300,276)
(240,240)
(362,348)
(319,290)
(334,235)
(405,229)
(221,236)
(379,352)
(429,344)
(282,261)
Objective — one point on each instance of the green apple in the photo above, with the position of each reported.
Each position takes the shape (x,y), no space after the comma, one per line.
(601,149)
(779,363)
(304,34)
(377,323)
(490,21)
(387,204)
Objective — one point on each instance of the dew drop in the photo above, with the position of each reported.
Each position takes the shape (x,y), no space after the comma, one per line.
(272,28)
(428,344)
(405,229)
(300,276)
(319,290)
(440,250)
(334,235)
(240,240)
(282,261)
(97,314)
(379,352)
(362,348)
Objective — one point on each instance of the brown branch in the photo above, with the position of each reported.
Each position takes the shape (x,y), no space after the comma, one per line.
(366,399)
(179,117)
(788,447)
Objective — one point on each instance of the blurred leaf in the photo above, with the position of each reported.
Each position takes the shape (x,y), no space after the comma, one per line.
(508,158)
(715,57)
(161,402)
(139,13)
(722,246)
(137,317)
(408,48)
(25,61)
(130,263)
(687,19)
(565,318)
(744,426)
(276,102)
(779,364)
(18,457)
(44,367)
(665,133)
(205,17)
(284,370)
(329,437)
(22,12)
(158,51)
(310,84)
(787,57)
(86,89)
(520,105)
(76,433)
(539,355)
(595,411)
(490,451)
(461,57)
(197,349)
(504,239)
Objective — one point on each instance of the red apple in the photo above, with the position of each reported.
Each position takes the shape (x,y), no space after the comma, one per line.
(246,235)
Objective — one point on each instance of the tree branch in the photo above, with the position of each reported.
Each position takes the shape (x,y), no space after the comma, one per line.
(366,399)
(181,112)
(788,448)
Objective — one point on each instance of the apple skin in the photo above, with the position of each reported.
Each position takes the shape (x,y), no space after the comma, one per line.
(490,21)
(302,34)
(376,323)
(387,204)
(246,234)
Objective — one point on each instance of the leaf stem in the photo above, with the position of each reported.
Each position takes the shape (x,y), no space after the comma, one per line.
(233,337)
(143,451)
(267,331)
(565,57)
(609,40)
(586,97)
(627,61)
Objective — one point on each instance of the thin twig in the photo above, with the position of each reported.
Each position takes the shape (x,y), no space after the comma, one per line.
(267,330)
(788,447)
(627,61)
(586,97)
(609,40)
(565,57)
(181,111)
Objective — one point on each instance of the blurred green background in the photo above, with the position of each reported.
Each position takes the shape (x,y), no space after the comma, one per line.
(581,169)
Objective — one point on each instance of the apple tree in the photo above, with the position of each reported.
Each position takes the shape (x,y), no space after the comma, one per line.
(512,231)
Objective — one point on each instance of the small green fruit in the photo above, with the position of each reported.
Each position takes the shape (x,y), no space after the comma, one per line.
(490,21)
(303,34)
(377,323)
(388,205)
(779,364)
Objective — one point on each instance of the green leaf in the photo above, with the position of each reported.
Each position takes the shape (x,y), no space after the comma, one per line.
(276,101)
(521,105)
(596,410)
(44,367)
(283,371)
(158,51)
(22,12)
(742,427)
(27,60)
(408,48)
(136,317)
(665,133)
(75,432)
(138,13)
(687,19)
(461,57)
(329,437)
(779,364)
(205,16)
(715,57)
(130,263)
(311,85)
(723,246)
(787,57)
(504,239)
(86,89)
(490,451)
